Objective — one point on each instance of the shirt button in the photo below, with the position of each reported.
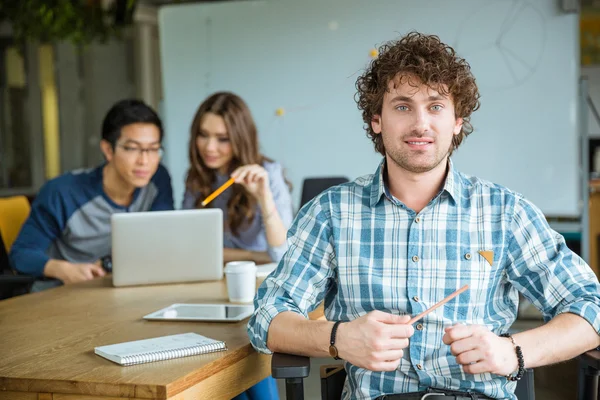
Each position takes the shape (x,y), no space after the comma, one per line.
(419,327)
(417,220)
(415,258)
(419,366)
(416,298)
(468,256)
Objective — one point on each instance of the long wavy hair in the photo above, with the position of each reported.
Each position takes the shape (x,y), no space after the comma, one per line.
(243,137)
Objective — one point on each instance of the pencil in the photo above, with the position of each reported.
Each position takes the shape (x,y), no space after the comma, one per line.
(441,303)
(217,192)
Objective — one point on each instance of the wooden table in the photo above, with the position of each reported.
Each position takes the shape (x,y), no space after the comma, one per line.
(47,345)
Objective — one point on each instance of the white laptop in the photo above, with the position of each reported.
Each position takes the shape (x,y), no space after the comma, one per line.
(167,246)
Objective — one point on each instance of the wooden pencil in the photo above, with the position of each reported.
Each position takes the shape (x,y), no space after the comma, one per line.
(441,303)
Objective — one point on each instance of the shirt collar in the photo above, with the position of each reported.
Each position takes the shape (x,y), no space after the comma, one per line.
(379,186)
(453,180)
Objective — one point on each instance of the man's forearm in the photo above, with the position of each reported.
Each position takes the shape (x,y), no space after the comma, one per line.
(292,333)
(54,268)
(563,338)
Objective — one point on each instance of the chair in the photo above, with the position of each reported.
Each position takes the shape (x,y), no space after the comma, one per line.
(295,368)
(11,284)
(588,387)
(13,213)
(311,187)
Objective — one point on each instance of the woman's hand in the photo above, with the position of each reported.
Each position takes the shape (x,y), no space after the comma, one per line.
(255,179)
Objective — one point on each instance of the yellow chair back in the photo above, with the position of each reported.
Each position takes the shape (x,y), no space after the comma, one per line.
(13,213)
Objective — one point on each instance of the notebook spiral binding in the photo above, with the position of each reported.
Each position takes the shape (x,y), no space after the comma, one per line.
(170,354)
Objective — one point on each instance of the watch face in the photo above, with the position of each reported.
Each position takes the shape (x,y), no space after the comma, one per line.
(333,351)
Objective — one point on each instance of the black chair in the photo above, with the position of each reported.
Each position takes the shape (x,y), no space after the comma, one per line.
(311,187)
(588,387)
(11,284)
(295,368)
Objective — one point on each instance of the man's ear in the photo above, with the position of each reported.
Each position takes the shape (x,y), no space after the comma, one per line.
(458,126)
(376,123)
(107,150)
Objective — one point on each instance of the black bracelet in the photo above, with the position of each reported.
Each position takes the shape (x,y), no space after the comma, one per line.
(333,350)
(521,370)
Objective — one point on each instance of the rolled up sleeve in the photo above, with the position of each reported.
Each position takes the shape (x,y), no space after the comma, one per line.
(302,277)
(547,272)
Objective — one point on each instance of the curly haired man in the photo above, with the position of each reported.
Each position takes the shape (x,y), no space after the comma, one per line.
(392,244)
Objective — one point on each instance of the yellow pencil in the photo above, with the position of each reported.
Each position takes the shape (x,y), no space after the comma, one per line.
(217,192)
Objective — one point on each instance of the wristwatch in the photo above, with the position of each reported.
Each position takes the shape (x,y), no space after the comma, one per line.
(107,263)
(333,351)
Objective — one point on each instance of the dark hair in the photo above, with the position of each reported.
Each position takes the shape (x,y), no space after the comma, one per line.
(433,63)
(127,112)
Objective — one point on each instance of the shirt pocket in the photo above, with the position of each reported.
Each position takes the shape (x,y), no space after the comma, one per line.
(476,266)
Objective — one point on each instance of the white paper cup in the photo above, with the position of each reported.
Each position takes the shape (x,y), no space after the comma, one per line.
(241,281)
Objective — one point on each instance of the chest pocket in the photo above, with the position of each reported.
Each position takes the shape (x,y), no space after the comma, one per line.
(476,266)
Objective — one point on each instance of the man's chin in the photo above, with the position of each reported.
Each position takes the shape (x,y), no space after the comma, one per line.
(416,165)
(139,182)
(418,168)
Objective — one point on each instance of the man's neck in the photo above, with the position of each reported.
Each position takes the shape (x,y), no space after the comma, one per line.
(415,190)
(115,187)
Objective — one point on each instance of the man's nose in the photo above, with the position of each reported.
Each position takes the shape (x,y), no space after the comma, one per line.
(421,122)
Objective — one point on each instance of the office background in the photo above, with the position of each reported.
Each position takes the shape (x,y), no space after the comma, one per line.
(302,59)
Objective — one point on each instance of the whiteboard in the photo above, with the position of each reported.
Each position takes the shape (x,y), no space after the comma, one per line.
(303,58)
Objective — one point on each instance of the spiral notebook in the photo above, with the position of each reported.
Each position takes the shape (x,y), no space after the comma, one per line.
(160,348)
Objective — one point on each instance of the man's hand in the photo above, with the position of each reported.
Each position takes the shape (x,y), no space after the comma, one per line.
(72,273)
(478,350)
(374,341)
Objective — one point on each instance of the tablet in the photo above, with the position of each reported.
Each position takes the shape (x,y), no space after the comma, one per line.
(202,312)
(265,269)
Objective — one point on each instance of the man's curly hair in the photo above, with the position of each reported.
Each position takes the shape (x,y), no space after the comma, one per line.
(434,63)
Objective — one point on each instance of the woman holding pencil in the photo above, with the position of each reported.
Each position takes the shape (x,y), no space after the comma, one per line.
(257,207)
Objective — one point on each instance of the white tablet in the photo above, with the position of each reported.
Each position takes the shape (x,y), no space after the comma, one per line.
(265,269)
(203,312)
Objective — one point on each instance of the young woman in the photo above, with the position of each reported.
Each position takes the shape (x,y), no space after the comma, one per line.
(257,209)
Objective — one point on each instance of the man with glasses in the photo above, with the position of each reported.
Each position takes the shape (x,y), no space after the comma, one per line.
(66,238)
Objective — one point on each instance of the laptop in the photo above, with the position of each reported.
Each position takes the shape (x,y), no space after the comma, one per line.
(167,247)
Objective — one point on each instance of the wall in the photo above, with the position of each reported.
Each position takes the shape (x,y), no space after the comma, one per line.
(593,76)
(304,57)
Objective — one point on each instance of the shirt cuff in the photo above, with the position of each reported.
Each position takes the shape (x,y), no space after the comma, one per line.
(258,326)
(587,309)
(29,262)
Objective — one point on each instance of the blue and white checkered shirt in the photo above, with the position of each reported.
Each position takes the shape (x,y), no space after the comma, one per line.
(360,249)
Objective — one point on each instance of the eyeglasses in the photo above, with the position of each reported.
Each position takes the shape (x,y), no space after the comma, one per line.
(133,151)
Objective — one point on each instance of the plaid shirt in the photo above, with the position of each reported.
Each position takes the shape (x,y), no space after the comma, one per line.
(360,249)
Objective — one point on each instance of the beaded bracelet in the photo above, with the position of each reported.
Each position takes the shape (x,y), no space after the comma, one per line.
(521,370)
